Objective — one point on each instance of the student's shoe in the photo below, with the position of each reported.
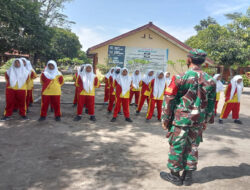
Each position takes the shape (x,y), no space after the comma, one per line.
(15,110)
(74,105)
(5,118)
(159,120)
(220,121)
(58,118)
(136,105)
(30,105)
(77,118)
(42,118)
(25,118)
(28,111)
(147,120)
(187,178)
(128,120)
(86,111)
(113,119)
(237,121)
(172,177)
(120,113)
(92,118)
(137,113)
(109,112)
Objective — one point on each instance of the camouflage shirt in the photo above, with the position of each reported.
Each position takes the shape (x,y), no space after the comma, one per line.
(189,99)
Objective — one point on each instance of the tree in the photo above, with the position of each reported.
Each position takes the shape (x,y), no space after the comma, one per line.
(205,23)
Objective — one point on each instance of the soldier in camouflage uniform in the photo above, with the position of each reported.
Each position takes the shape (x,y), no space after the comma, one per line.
(189,106)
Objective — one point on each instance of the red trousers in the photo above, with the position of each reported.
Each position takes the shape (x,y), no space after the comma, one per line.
(76,96)
(137,95)
(29,98)
(125,106)
(106,94)
(151,108)
(215,107)
(54,101)
(141,101)
(228,107)
(89,101)
(15,97)
(111,102)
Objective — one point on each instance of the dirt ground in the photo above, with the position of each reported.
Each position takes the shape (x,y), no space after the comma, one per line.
(103,155)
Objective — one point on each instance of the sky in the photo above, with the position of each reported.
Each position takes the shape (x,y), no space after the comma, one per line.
(100,20)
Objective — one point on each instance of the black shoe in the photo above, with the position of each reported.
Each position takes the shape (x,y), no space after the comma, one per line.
(77,118)
(5,118)
(120,113)
(137,113)
(220,121)
(136,105)
(113,119)
(170,177)
(25,118)
(31,105)
(58,118)
(42,119)
(237,121)
(159,120)
(187,178)
(131,104)
(15,110)
(128,120)
(109,112)
(28,111)
(86,111)
(74,105)
(92,118)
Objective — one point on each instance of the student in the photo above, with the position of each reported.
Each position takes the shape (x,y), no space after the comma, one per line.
(157,88)
(30,83)
(107,87)
(232,100)
(80,69)
(135,88)
(51,80)
(168,79)
(219,89)
(112,78)
(122,86)
(87,82)
(148,77)
(16,85)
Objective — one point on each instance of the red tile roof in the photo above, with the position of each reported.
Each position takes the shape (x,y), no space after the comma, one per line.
(153,27)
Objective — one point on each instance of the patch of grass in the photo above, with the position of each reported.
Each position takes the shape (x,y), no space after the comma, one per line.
(68,78)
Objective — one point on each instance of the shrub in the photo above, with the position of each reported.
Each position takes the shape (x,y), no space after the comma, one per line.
(5,66)
(246,81)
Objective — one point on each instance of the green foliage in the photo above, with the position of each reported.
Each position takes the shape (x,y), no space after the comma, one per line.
(205,23)
(246,81)
(5,66)
(137,64)
(209,70)
(68,78)
(180,62)
(104,69)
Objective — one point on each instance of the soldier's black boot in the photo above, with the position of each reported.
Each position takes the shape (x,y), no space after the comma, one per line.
(187,178)
(173,177)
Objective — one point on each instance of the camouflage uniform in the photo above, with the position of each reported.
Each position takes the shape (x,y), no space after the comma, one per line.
(189,104)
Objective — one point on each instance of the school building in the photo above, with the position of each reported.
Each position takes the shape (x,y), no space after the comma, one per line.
(149,43)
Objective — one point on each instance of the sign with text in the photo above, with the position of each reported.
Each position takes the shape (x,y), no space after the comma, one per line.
(116,55)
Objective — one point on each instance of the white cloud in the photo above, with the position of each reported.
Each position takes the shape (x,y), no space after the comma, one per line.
(91,36)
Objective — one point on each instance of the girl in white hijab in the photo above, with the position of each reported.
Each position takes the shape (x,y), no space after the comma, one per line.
(232,100)
(122,86)
(77,73)
(144,94)
(87,82)
(107,86)
(135,90)
(219,89)
(52,81)
(168,79)
(16,86)
(157,88)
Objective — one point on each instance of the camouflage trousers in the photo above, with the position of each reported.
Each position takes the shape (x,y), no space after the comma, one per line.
(184,142)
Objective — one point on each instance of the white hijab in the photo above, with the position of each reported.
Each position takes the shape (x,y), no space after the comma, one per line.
(51,74)
(87,78)
(109,73)
(114,75)
(79,69)
(236,85)
(28,65)
(219,85)
(147,79)
(19,75)
(136,79)
(159,85)
(168,80)
(124,81)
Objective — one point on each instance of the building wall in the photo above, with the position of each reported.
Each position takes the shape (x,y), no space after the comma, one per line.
(136,40)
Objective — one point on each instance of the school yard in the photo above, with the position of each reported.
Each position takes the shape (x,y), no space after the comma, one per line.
(103,155)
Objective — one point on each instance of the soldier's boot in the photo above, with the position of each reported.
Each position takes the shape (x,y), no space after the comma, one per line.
(173,177)
(187,178)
